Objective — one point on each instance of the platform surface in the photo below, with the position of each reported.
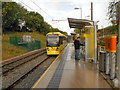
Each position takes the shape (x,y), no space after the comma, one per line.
(66,72)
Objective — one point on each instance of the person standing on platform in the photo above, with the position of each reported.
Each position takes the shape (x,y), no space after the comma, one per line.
(77,45)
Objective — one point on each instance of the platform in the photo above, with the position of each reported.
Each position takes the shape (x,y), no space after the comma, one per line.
(66,72)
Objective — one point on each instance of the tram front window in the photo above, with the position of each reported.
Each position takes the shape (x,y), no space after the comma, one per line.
(52,40)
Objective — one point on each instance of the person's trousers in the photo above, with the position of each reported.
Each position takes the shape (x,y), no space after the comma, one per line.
(77,53)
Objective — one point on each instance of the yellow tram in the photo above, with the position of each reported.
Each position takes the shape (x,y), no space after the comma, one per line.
(55,43)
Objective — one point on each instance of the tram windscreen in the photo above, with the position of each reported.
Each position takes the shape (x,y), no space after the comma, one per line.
(52,40)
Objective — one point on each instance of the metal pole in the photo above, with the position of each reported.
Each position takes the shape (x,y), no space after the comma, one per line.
(112,72)
(1,42)
(119,50)
(95,34)
(95,42)
(107,63)
(81,12)
(91,10)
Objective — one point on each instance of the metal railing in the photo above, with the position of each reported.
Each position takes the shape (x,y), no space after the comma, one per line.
(28,46)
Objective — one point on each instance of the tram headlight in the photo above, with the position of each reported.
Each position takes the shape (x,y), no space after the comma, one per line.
(48,49)
(57,49)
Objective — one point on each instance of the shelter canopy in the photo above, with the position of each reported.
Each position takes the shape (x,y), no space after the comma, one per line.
(79,23)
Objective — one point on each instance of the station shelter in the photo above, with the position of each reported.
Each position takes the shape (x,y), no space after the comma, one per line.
(66,72)
(89,36)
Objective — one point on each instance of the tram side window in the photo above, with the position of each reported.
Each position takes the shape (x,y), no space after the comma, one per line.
(61,40)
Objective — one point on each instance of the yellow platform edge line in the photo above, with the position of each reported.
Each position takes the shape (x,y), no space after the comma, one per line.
(46,71)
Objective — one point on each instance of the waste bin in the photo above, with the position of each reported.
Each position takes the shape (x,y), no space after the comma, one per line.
(102,61)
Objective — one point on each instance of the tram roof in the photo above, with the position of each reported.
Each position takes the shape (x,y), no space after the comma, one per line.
(79,23)
(60,34)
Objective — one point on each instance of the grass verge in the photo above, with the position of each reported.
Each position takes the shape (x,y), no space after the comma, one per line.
(9,51)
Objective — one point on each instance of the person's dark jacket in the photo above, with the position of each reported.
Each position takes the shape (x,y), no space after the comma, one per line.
(77,44)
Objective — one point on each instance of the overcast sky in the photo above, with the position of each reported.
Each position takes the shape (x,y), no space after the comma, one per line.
(62,9)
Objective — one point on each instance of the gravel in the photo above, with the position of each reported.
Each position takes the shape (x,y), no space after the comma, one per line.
(7,67)
(20,71)
(30,80)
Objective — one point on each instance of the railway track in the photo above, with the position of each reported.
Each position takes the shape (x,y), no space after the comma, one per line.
(25,75)
(16,70)
(14,64)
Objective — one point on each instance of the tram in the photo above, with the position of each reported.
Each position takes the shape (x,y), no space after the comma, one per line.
(55,43)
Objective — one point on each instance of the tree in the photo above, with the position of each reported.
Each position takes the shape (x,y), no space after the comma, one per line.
(112,12)
(14,13)
(78,31)
(45,28)
(57,30)
(34,20)
(11,13)
(65,33)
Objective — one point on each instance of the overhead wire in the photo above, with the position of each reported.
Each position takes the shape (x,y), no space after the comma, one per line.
(40,9)
(45,12)
(26,5)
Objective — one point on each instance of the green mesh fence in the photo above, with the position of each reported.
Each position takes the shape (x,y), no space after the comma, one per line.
(28,46)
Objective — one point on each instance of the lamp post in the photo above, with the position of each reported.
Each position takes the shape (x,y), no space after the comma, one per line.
(91,10)
(80,11)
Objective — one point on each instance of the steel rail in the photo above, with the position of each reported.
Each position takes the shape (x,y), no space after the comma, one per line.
(25,75)
(6,71)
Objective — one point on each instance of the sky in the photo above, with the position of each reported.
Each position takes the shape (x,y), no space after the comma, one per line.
(60,10)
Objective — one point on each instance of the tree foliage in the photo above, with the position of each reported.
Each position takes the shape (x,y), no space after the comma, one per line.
(78,31)
(108,30)
(112,10)
(57,30)
(13,13)
(33,20)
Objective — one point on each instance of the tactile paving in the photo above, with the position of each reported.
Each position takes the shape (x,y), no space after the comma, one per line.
(55,80)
